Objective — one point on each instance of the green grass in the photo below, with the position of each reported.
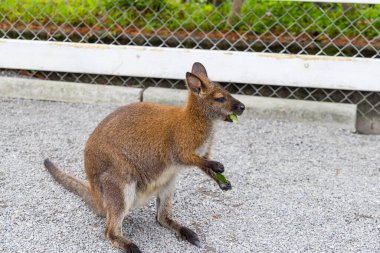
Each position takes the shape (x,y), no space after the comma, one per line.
(150,15)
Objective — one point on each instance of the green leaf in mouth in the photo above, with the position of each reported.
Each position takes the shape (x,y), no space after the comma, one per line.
(233,117)
(221,178)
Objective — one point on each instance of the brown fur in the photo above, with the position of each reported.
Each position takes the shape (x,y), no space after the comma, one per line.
(136,152)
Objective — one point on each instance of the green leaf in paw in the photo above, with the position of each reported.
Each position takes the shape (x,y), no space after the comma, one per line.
(221,178)
(233,117)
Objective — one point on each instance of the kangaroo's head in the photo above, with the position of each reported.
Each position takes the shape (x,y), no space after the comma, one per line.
(212,98)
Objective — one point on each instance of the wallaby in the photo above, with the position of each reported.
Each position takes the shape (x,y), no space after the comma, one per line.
(136,152)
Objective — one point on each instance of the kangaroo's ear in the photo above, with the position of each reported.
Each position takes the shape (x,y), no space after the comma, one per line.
(193,82)
(199,70)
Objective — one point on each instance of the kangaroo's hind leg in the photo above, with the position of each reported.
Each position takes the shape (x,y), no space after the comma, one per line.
(164,215)
(117,199)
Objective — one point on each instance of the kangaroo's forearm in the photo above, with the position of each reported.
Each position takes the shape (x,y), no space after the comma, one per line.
(202,163)
(194,160)
(210,168)
(210,171)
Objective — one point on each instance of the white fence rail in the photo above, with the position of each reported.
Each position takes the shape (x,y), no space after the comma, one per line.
(225,66)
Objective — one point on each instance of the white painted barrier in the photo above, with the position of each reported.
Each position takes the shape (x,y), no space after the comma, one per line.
(225,66)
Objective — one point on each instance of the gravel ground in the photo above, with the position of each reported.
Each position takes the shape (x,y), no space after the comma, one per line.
(297,187)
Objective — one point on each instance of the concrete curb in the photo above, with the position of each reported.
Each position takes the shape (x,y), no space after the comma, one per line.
(165,96)
(67,91)
(340,115)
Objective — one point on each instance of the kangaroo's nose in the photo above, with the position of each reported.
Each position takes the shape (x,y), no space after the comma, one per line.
(239,108)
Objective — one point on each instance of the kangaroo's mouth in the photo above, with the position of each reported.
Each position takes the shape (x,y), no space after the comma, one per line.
(227,119)
(231,118)
(236,110)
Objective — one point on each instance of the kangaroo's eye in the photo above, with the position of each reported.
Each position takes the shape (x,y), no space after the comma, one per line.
(220,100)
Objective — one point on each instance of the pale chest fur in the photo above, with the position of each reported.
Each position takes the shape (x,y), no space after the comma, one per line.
(163,182)
(205,148)
(139,197)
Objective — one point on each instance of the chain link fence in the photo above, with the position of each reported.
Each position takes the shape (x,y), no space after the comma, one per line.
(333,29)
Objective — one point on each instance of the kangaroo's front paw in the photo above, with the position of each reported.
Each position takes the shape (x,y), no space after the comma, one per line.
(132,248)
(225,186)
(216,166)
(190,236)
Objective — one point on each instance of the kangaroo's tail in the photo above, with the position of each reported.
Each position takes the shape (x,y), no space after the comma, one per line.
(73,184)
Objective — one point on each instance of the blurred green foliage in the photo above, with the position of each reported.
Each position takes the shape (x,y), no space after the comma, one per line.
(256,16)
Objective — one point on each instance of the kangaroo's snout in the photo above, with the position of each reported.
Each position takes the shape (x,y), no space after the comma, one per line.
(238,108)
